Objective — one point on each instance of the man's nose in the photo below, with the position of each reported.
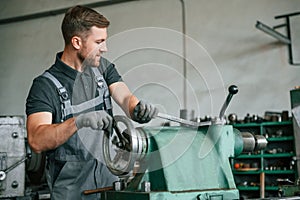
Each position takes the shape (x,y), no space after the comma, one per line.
(103,47)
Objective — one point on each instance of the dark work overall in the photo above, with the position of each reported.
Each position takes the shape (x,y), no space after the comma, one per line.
(78,164)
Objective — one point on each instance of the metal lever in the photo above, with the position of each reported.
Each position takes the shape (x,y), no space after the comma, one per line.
(4,172)
(182,121)
(232,91)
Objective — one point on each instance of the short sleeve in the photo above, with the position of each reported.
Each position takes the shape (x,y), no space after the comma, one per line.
(41,97)
(110,73)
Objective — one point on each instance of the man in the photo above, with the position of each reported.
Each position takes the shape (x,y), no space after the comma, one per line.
(71,100)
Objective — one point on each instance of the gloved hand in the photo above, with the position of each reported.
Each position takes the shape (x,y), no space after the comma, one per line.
(144,112)
(97,120)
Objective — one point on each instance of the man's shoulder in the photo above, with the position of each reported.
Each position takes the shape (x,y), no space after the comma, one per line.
(41,78)
(41,84)
(104,61)
(41,96)
(105,65)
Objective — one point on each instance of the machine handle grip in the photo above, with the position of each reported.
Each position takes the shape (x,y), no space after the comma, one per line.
(232,91)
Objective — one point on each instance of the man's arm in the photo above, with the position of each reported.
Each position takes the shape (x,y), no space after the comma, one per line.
(43,136)
(123,97)
(139,111)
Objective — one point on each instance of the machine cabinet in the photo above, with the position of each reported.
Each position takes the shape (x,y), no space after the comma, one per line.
(258,174)
(12,152)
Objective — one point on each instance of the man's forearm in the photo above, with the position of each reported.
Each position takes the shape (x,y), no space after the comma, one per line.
(49,136)
(133,101)
(123,97)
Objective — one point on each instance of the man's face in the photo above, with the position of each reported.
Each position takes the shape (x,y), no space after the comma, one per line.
(93,46)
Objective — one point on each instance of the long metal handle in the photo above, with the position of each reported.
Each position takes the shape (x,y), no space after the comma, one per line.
(15,165)
(232,91)
(5,171)
(105,189)
(183,121)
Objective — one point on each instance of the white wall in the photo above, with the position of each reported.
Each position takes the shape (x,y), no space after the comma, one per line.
(223,48)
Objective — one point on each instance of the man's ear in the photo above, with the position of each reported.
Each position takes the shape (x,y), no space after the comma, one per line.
(76,42)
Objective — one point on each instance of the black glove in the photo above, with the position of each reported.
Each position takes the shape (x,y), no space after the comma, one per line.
(97,120)
(144,112)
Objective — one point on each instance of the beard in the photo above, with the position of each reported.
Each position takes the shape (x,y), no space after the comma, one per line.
(91,59)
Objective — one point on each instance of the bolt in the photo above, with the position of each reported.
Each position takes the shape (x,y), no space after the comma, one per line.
(14,184)
(14,135)
(117,186)
(2,175)
(146,186)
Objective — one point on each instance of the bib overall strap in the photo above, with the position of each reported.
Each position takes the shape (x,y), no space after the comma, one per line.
(63,96)
(102,88)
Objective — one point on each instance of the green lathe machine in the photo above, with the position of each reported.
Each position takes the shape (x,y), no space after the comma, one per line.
(176,163)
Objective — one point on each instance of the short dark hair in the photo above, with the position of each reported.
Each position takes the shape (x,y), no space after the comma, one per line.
(78,20)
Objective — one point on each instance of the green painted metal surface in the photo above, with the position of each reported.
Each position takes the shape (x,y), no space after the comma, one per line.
(163,195)
(185,163)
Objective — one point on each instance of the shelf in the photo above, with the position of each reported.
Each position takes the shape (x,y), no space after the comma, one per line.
(265,171)
(248,156)
(247,125)
(277,123)
(278,139)
(246,172)
(279,171)
(252,188)
(284,142)
(263,124)
(273,188)
(279,155)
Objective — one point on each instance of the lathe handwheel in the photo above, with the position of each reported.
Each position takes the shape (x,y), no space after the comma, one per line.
(120,159)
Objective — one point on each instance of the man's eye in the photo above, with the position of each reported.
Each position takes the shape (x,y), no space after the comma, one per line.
(99,42)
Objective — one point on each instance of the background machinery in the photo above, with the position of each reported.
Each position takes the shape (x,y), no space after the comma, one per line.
(184,162)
